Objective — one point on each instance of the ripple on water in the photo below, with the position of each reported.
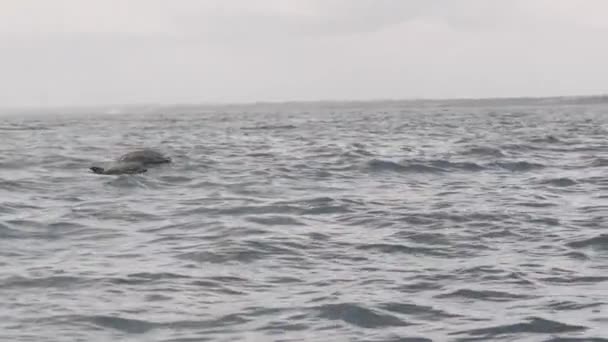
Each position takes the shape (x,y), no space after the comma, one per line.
(139,326)
(377,165)
(518,166)
(391,249)
(531,325)
(496,296)
(419,311)
(359,316)
(484,152)
(560,182)
(242,252)
(597,242)
(275,220)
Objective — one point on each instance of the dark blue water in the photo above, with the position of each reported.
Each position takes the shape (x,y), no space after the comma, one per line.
(307,222)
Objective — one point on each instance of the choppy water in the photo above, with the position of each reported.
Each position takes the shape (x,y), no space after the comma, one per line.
(360,222)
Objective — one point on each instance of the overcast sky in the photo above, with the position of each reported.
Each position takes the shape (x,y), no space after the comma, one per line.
(83,52)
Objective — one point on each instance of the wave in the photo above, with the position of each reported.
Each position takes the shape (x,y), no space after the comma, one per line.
(59,282)
(359,316)
(494,296)
(599,242)
(560,182)
(599,162)
(576,279)
(576,339)
(484,152)
(398,248)
(270,127)
(243,252)
(546,139)
(24,128)
(275,220)
(387,165)
(532,325)
(566,305)
(422,166)
(420,311)
(415,167)
(141,326)
(516,166)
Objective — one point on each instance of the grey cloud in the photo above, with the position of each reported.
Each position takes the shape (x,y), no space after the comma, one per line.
(121,51)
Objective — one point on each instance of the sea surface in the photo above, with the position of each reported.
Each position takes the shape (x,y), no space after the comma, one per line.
(381,221)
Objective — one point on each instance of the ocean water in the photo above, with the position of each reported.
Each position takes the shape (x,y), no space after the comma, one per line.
(383,221)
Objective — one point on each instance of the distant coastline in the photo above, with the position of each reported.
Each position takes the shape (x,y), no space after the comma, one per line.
(416,102)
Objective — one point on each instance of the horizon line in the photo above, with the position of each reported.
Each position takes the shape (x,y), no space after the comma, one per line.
(284,102)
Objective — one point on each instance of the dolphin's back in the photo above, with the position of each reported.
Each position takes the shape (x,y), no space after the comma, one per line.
(145,157)
(132,162)
(120,168)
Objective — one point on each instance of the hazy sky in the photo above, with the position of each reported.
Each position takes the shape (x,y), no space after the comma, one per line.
(80,52)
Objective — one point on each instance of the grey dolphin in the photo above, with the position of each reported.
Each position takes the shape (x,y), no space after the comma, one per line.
(146,157)
(132,163)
